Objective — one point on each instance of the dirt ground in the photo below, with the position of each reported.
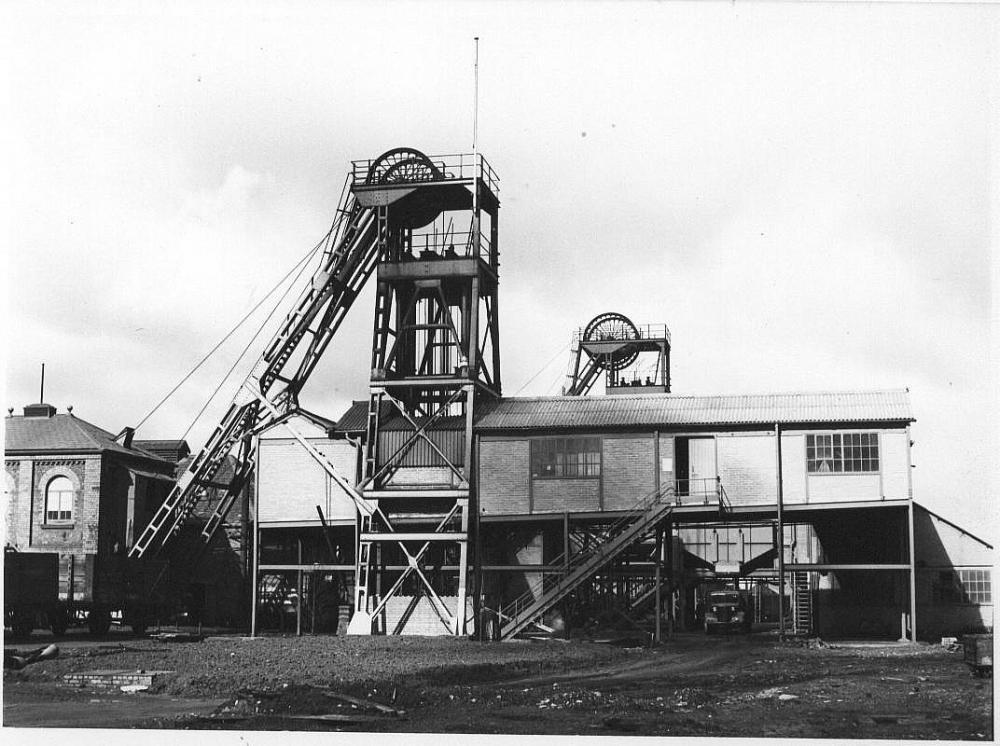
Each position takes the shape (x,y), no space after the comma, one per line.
(693,685)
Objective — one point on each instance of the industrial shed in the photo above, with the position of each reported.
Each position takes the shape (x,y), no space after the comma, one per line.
(439,506)
(551,471)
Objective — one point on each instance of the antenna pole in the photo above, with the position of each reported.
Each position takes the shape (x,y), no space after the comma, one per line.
(476,166)
(475,102)
(41,392)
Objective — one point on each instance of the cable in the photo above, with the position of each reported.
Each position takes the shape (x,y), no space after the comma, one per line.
(540,370)
(246,348)
(301,263)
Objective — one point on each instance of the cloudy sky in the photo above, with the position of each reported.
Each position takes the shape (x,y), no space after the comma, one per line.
(801,192)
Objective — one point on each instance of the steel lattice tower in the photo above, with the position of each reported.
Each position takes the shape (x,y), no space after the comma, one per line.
(435,350)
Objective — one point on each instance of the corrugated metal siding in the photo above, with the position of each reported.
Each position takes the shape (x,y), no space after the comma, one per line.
(651,410)
(421,453)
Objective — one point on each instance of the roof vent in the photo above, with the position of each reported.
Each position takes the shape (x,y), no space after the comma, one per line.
(39,410)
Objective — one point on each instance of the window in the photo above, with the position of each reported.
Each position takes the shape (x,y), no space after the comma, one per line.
(59,501)
(976,585)
(566,457)
(963,587)
(842,452)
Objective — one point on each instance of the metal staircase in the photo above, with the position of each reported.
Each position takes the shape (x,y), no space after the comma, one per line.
(801,603)
(349,257)
(518,615)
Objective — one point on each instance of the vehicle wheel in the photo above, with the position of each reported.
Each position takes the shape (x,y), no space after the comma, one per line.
(99,621)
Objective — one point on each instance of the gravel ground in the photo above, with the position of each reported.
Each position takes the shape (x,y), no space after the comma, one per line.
(748,686)
(219,666)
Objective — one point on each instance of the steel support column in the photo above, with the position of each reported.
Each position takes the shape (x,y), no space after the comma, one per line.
(781,533)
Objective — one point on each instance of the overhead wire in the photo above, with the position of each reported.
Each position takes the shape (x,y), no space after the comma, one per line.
(541,370)
(302,265)
(298,266)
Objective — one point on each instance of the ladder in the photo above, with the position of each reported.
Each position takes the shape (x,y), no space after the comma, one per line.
(349,257)
(516,616)
(579,380)
(801,603)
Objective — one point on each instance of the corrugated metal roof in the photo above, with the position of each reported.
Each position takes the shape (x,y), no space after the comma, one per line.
(669,410)
(653,410)
(64,433)
(355,420)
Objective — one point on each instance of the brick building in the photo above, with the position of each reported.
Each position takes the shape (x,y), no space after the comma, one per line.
(74,489)
(858,555)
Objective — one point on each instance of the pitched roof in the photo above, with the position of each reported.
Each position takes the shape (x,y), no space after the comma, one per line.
(669,410)
(63,433)
(171,450)
(355,420)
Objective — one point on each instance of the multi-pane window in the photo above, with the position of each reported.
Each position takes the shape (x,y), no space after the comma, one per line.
(566,457)
(963,587)
(842,452)
(976,584)
(59,500)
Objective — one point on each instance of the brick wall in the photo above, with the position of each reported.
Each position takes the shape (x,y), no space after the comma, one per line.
(76,543)
(559,495)
(504,467)
(422,618)
(747,468)
(81,533)
(423,476)
(17,494)
(628,470)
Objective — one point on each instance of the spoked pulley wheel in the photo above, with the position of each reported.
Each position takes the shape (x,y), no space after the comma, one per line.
(610,327)
(402,165)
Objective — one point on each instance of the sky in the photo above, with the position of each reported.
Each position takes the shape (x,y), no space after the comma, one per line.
(803,193)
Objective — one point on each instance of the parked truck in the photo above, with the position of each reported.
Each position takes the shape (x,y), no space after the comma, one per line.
(727,609)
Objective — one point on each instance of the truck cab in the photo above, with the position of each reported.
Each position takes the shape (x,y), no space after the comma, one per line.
(727,609)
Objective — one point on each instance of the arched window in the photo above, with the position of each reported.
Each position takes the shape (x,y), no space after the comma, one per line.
(59,500)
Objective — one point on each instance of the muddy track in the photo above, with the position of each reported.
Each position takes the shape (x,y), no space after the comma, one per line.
(657,665)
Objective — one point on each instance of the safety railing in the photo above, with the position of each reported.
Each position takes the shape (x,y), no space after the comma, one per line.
(451,167)
(642,331)
(701,491)
(559,573)
(449,245)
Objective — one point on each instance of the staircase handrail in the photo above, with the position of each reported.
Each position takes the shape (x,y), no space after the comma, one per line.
(512,609)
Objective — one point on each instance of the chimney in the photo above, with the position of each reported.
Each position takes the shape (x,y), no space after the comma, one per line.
(125,436)
(39,410)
